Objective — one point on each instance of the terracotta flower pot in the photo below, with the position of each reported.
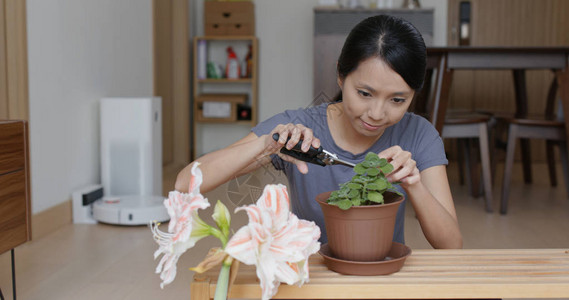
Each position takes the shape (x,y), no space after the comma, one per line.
(361,233)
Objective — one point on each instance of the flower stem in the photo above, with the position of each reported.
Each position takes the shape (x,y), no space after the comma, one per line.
(218,234)
(223,280)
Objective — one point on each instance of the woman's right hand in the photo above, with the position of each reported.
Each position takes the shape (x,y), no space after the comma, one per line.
(296,132)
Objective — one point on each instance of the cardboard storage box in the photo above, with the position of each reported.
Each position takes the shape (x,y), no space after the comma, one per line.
(218,107)
(229,18)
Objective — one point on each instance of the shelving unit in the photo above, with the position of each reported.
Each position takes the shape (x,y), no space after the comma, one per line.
(216,52)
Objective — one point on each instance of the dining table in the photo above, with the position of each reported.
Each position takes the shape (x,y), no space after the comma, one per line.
(445,60)
(426,274)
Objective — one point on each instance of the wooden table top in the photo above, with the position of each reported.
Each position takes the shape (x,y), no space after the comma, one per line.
(508,49)
(427,274)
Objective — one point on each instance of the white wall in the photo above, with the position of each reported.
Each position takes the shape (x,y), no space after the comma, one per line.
(285,30)
(78,52)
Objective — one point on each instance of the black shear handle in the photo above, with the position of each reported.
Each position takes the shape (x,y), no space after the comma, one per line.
(310,156)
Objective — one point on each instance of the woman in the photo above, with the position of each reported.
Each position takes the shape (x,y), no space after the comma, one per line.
(381,67)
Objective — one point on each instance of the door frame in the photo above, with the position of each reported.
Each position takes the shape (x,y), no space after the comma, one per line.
(14,103)
(171,71)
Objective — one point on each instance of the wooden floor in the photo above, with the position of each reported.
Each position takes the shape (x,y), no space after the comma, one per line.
(114,262)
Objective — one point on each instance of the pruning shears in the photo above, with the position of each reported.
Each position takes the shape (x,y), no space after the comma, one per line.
(315,156)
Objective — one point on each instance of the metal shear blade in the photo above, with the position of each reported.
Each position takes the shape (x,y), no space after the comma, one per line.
(315,156)
(332,159)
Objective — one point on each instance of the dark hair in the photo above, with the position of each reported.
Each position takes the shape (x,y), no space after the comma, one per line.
(395,41)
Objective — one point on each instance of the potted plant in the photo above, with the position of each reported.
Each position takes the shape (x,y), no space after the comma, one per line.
(360,216)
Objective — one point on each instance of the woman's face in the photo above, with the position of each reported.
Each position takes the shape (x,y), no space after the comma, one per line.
(374,97)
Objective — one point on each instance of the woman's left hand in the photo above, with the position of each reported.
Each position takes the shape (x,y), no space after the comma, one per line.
(404,167)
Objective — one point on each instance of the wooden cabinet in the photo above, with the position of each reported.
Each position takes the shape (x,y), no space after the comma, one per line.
(227,97)
(229,18)
(15,222)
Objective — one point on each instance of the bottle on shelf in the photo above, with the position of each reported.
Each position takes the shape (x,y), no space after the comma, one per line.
(232,66)
(249,62)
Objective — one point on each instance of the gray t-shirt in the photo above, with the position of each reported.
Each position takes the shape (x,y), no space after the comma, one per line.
(413,133)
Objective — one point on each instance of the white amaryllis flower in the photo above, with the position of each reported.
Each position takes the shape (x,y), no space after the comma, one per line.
(185,227)
(275,241)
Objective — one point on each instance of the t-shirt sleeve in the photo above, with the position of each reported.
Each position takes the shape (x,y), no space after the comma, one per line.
(430,150)
(269,124)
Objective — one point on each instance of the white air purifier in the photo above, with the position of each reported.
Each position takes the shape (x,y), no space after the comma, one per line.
(131,166)
(131,146)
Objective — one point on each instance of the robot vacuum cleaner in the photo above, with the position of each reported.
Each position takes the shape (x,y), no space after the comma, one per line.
(89,206)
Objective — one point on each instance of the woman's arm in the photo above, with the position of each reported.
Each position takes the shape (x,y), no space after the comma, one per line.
(247,155)
(430,195)
(432,201)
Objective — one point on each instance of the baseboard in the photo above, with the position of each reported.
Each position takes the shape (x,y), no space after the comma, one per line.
(52,219)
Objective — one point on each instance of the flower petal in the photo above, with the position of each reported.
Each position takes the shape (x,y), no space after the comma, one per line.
(253,212)
(275,240)
(242,246)
(213,258)
(266,273)
(185,227)
(275,199)
(196,179)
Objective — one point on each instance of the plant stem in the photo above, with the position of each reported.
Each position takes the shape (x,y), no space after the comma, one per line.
(223,280)
(218,234)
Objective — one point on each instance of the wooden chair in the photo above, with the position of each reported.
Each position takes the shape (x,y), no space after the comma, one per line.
(463,126)
(467,126)
(549,127)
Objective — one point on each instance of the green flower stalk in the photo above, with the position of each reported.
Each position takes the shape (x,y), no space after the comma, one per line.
(221,288)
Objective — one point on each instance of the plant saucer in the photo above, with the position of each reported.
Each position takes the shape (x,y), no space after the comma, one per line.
(391,264)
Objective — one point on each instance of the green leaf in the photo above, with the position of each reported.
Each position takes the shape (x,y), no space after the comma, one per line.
(370,156)
(361,180)
(382,162)
(382,183)
(354,186)
(353,194)
(372,171)
(387,168)
(356,201)
(398,193)
(359,169)
(375,197)
(374,164)
(345,204)
(373,186)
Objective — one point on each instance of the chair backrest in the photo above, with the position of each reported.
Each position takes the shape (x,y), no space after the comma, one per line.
(550,113)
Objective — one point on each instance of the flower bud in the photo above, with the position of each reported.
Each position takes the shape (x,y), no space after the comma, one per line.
(222,217)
